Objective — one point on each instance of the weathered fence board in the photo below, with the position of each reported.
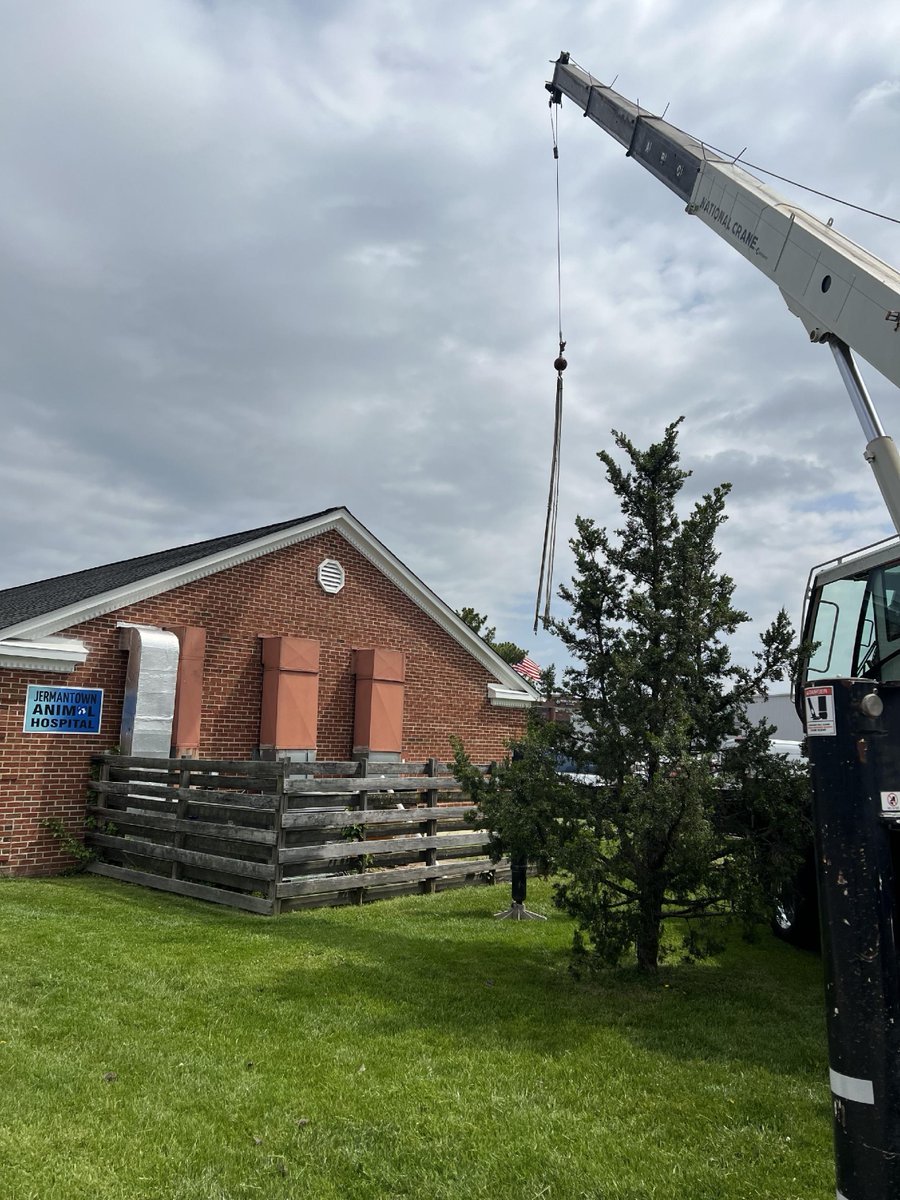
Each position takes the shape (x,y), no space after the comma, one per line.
(371,783)
(365,767)
(183,887)
(219,862)
(208,796)
(248,769)
(332,818)
(173,824)
(375,846)
(341,883)
(321,767)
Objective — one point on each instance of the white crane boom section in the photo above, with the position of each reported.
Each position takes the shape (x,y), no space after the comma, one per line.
(837,289)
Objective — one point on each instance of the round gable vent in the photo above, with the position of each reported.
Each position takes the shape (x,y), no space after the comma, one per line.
(331,576)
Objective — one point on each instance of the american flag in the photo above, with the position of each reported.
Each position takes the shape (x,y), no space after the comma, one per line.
(528,668)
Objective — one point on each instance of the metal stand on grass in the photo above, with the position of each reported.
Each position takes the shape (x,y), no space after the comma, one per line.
(517,910)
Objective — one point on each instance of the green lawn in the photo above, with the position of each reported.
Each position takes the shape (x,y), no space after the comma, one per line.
(158,1048)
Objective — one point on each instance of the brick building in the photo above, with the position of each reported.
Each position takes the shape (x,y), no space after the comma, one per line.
(304,639)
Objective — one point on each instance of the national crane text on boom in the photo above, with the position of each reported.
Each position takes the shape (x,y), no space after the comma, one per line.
(745,236)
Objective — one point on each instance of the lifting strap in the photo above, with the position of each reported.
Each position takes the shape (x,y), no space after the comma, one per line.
(545,581)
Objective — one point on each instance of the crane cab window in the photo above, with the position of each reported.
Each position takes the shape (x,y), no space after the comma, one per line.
(856,623)
(843,628)
(886,595)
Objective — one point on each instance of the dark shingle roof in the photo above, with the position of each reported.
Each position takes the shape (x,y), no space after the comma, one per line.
(31,600)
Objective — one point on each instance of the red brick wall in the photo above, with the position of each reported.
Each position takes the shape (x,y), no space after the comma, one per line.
(43,776)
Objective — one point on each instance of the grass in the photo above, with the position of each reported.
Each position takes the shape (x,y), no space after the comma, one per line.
(152,1048)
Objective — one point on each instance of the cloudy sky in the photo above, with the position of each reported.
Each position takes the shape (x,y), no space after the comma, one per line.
(260,258)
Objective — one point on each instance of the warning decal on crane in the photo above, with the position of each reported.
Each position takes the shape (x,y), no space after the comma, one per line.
(819,711)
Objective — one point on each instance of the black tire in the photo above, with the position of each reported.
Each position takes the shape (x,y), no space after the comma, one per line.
(795,918)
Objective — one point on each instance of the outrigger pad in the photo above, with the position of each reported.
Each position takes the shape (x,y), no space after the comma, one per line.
(518,912)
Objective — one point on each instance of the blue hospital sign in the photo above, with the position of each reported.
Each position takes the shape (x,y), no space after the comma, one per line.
(62,710)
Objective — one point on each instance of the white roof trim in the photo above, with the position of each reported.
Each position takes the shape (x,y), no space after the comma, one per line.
(502,697)
(352,531)
(52,654)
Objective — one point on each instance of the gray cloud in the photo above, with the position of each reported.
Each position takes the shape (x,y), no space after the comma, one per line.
(258,260)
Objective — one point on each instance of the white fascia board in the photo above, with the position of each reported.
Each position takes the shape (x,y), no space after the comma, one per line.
(502,697)
(351,530)
(51,654)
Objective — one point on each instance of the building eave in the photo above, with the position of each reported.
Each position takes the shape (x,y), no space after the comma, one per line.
(503,697)
(50,654)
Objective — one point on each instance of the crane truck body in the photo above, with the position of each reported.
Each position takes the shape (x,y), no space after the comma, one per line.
(848,689)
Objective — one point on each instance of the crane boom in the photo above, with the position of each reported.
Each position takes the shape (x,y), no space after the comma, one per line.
(844,295)
(836,288)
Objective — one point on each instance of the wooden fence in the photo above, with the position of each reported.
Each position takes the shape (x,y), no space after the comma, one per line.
(273,836)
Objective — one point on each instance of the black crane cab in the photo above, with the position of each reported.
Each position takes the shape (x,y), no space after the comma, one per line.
(852,618)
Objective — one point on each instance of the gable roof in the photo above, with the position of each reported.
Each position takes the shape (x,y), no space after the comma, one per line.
(31,600)
(37,610)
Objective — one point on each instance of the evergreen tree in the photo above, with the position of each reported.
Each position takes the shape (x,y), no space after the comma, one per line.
(675,828)
(520,799)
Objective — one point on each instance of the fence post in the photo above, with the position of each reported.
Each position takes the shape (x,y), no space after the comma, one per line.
(181,808)
(431,828)
(280,838)
(101,799)
(105,771)
(363,804)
